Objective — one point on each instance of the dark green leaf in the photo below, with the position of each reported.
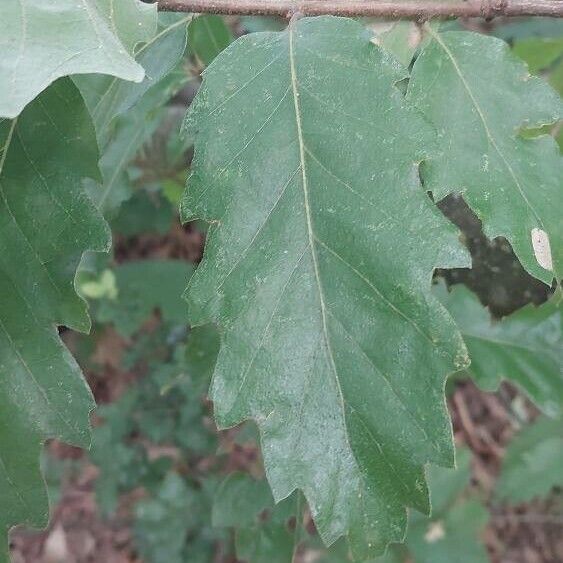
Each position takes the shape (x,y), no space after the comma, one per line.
(46,223)
(143,286)
(208,36)
(478,95)
(317,266)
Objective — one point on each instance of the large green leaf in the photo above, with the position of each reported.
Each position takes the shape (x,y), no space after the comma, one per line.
(478,95)
(318,264)
(46,223)
(42,41)
(533,462)
(526,347)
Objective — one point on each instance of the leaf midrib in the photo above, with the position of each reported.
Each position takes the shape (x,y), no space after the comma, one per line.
(310,231)
(483,119)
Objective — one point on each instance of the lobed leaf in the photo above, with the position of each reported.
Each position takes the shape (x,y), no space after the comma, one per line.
(318,266)
(479,96)
(46,223)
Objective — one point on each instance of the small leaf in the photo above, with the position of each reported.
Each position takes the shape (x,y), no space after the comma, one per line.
(48,40)
(525,347)
(208,36)
(533,462)
(262,533)
(479,95)
(144,213)
(317,267)
(239,501)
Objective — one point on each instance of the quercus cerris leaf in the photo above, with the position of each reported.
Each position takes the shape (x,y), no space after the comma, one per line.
(318,267)
(46,223)
(479,96)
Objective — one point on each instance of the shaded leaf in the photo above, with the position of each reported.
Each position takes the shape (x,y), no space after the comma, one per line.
(538,53)
(208,36)
(525,347)
(160,55)
(464,82)
(162,523)
(262,532)
(143,213)
(533,462)
(143,286)
(126,114)
(317,267)
(46,223)
(239,500)
(201,354)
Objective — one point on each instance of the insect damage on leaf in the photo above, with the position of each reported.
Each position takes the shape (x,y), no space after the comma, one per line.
(542,248)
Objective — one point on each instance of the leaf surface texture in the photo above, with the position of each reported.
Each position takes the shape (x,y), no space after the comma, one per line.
(479,96)
(46,223)
(525,347)
(318,267)
(44,41)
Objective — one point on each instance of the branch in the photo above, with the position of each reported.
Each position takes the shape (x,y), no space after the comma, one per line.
(409,9)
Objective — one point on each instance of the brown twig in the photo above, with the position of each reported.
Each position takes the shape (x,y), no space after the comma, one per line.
(418,10)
